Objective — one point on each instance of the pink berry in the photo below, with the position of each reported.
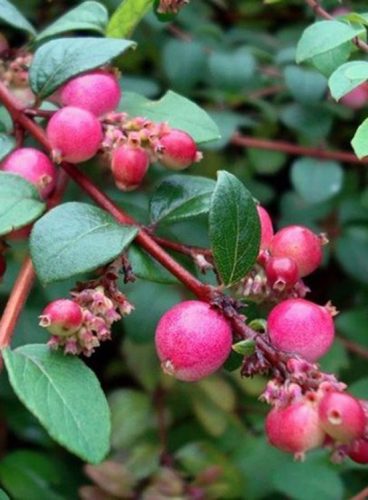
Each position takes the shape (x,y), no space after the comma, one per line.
(282,273)
(295,428)
(300,244)
(356,98)
(359,451)
(179,150)
(62,317)
(266,228)
(301,327)
(129,165)
(75,134)
(97,91)
(342,416)
(33,166)
(192,340)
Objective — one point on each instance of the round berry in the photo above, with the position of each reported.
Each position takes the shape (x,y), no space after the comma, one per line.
(282,273)
(266,228)
(62,317)
(342,416)
(33,166)
(129,165)
(300,244)
(356,98)
(75,134)
(359,451)
(295,428)
(192,340)
(97,91)
(179,150)
(301,327)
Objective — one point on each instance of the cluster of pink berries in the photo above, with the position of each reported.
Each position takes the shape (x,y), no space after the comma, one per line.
(81,324)
(87,123)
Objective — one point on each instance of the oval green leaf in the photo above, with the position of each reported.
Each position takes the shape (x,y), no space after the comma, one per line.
(65,396)
(234,228)
(343,80)
(59,60)
(75,238)
(126,17)
(11,15)
(146,268)
(19,203)
(360,140)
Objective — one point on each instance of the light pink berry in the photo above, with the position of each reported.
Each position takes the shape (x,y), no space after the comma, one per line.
(62,317)
(300,244)
(129,165)
(359,451)
(266,227)
(301,327)
(192,340)
(97,91)
(75,134)
(342,416)
(179,150)
(356,98)
(295,428)
(282,273)
(34,166)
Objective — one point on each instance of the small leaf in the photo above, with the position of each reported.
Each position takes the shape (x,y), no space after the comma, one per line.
(316,180)
(175,109)
(343,81)
(126,17)
(75,238)
(306,86)
(19,202)
(11,15)
(57,61)
(180,197)
(234,228)
(323,36)
(230,70)
(244,347)
(89,15)
(7,144)
(66,397)
(146,268)
(360,140)
(351,250)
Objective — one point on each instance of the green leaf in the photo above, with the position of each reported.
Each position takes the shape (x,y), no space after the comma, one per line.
(228,123)
(11,15)
(329,61)
(7,144)
(352,250)
(180,197)
(232,69)
(59,60)
(360,140)
(66,397)
(352,324)
(316,180)
(359,389)
(147,268)
(90,16)
(183,63)
(306,86)
(313,121)
(175,109)
(126,17)
(234,228)
(343,80)
(75,238)
(244,347)
(19,202)
(323,36)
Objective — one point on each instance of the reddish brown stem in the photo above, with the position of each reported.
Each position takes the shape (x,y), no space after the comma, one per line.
(362,495)
(293,149)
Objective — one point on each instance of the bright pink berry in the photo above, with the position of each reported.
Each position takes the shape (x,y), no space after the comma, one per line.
(282,273)
(192,340)
(75,134)
(2,266)
(300,244)
(62,317)
(295,428)
(33,166)
(266,228)
(359,451)
(129,165)
(301,327)
(356,98)
(179,151)
(342,416)
(97,91)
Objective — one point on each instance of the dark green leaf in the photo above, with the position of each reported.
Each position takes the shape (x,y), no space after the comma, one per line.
(234,228)
(11,15)
(64,395)
(352,324)
(89,15)
(312,121)
(59,60)
(359,389)
(306,86)
(175,109)
(75,238)
(183,63)
(180,197)
(19,202)
(146,268)
(352,250)
(7,144)
(126,17)
(231,70)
